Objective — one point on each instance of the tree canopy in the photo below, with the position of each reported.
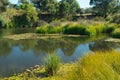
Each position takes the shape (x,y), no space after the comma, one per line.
(104,7)
(3,5)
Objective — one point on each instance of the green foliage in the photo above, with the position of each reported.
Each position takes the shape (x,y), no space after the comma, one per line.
(52,64)
(64,9)
(53,30)
(109,28)
(68,8)
(2,22)
(74,6)
(49,30)
(42,30)
(116,33)
(27,18)
(46,6)
(116,18)
(104,7)
(75,29)
(3,5)
(78,29)
(91,31)
(99,27)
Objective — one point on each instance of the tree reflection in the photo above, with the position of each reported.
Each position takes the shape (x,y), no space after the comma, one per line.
(103,46)
(51,46)
(4,47)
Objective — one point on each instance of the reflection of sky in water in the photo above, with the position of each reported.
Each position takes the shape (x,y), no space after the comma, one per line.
(118,49)
(18,60)
(79,52)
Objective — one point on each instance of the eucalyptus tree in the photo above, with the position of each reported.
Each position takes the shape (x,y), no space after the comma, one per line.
(104,7)
(73,5)
(46,6)
(68,8)
(3,5)
(29,15)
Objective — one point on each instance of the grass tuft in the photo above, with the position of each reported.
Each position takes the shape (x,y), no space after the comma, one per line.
(52,63)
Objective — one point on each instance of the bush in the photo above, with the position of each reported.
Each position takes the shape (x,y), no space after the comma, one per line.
(75,29)
(91,31)
(49,30)
(109,28)
(116,33)
(52,63)
(2,22)
(42,30)
(54,30)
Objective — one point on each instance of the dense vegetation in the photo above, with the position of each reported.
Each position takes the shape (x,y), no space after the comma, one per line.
(34,13)
(98,66)
(91,29)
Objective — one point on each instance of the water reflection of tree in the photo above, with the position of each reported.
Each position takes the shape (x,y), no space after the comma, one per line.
(103,46)
(67,45)
(4,47)
(27,44)
(51,46)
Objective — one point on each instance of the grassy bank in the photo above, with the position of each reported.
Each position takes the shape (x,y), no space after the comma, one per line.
(98,66)
(78,28)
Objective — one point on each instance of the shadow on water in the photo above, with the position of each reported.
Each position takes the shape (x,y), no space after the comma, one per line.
(18,55)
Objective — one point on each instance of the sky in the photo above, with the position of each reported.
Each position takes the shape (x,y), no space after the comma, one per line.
(83,3)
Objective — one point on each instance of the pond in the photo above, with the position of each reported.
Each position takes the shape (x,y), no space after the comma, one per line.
(18,55)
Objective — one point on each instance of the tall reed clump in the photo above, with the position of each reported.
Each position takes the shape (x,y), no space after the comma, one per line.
(116,33)
(42,30)
(109,28)
(78,29)
(49,30)
(52,63)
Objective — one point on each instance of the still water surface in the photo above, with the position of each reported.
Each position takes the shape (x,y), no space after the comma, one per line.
(18,55)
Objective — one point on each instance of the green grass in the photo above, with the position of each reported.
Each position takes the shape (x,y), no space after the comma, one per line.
(95,66)
(52,63)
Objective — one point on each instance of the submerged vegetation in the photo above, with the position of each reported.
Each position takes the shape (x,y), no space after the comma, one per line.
(95,66)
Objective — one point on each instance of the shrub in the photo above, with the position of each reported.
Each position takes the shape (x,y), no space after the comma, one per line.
(90,31)
(42,30)
(54,30)
(52,63)
(2,22)
(99,27)
(109,28)
(75,29)
(116,33)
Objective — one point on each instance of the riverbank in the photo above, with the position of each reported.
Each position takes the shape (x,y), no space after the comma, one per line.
(98,66)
